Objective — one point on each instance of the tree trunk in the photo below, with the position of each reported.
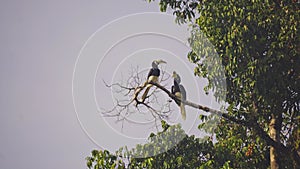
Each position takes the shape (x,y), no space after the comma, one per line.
(275,127)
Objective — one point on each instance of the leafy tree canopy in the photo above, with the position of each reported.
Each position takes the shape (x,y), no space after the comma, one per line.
(258,45)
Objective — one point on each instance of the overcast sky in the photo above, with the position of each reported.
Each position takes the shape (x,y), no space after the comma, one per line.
(41,42)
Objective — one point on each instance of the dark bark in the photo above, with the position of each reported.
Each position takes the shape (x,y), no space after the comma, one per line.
(274,128)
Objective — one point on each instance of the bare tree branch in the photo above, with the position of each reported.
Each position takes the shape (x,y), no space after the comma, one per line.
(128,100)
(135,86)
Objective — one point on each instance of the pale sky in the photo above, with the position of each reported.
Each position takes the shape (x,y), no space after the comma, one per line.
(41,42)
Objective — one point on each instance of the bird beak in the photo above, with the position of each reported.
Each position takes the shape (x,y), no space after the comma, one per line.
(161,61)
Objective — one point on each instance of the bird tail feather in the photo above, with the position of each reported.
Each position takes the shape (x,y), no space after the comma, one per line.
(145,93)
(182,110)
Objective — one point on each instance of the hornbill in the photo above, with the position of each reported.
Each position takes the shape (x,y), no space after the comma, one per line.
(179,91)
(152,76)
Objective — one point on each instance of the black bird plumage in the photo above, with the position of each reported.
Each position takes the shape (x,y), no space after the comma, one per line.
(179,91)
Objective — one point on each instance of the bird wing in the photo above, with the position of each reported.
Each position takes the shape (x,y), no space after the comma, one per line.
(183,92)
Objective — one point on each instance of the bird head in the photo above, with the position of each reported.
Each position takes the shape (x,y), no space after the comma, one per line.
(155,63)
(176,77)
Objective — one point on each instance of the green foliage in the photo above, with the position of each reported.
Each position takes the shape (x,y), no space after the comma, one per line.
(258,46)
(255,45)
(104,160)
(161,142)
(184,9)
(189,152)
(170,148)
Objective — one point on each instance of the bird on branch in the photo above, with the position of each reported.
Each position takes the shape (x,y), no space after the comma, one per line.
(152,77)
(179,91)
